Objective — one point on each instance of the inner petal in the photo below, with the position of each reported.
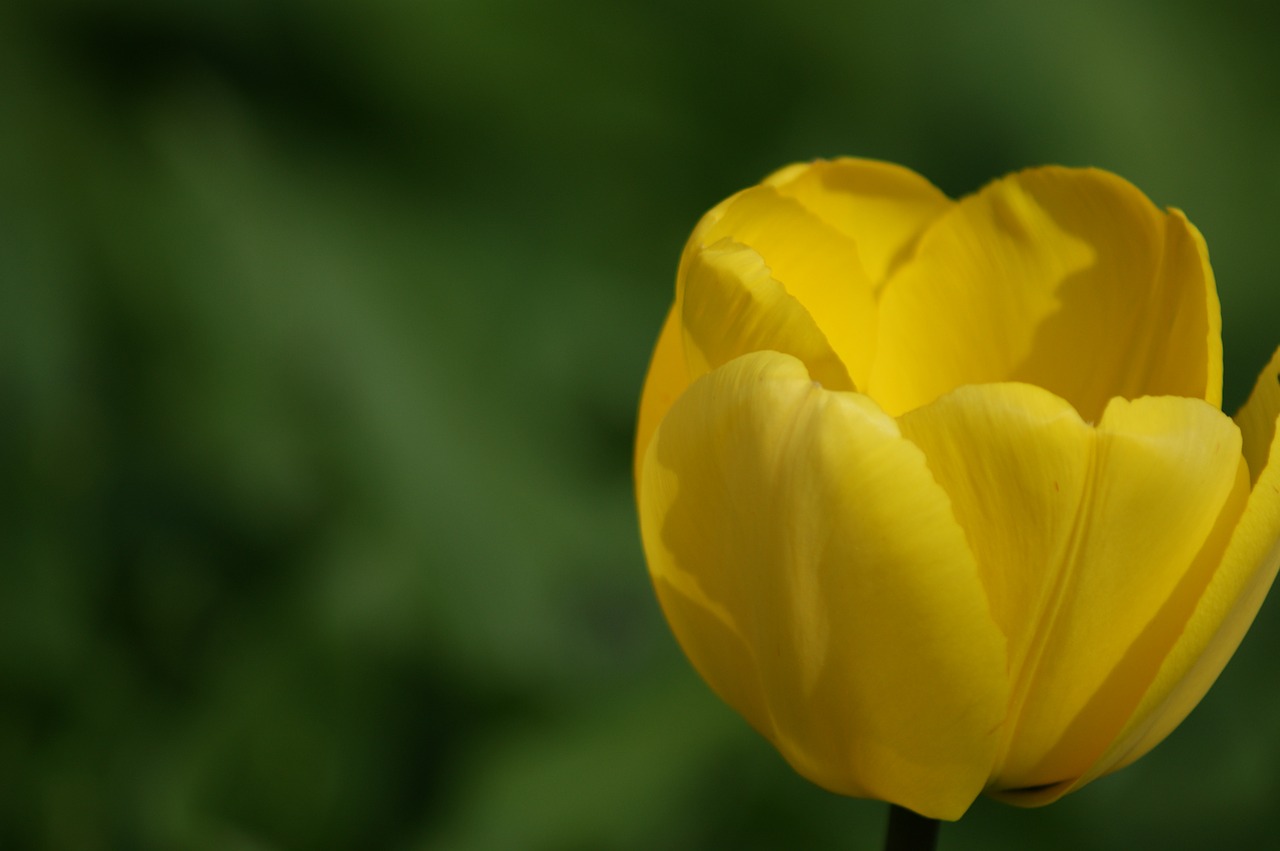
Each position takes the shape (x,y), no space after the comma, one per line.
(881,206)
(732,305)
(816,265)
(1067,279)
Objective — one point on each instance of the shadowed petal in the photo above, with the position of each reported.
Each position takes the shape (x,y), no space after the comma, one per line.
(1257,417)
(667,378)
(1082,536)
(813,534)
(1229,604)
(1067,279)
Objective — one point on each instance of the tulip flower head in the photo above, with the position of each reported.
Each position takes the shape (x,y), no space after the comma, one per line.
(939,494)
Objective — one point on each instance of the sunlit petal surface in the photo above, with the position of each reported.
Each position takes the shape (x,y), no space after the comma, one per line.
(939,495)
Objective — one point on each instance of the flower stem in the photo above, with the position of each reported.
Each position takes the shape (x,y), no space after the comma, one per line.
(909,831)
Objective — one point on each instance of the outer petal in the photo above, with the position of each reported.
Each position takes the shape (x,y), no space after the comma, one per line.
(1083,536)
(882,207)
(1257,418)
(814,263)
(1230,602)
(667,378)
(1067,279)
(813,572)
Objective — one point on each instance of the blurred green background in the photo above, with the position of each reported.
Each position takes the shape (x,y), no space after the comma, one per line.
(322,326)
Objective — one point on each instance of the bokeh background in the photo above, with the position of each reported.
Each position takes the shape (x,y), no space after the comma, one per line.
(322,326)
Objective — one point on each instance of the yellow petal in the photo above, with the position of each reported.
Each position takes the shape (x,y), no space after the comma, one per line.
(1229,604)
(1067,279)
(1257,417)
(814,263)
(822,585)
(667,378)
(733,305)
(821,265)
(880,206)
(1082,536)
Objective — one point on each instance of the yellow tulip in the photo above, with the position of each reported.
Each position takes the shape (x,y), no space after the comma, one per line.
(939,494)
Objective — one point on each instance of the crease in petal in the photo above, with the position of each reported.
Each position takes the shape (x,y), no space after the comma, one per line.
(763,490)
(1102,719)
(1069,279)
(880,206)
(1082,535)
(813,262)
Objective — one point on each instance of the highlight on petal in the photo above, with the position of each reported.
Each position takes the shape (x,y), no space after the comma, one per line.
(880,206)
(1229,604)
(797,526)
(1063,278)
(814,263)
(1083,536)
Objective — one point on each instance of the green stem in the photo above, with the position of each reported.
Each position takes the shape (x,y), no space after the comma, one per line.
(909,831)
